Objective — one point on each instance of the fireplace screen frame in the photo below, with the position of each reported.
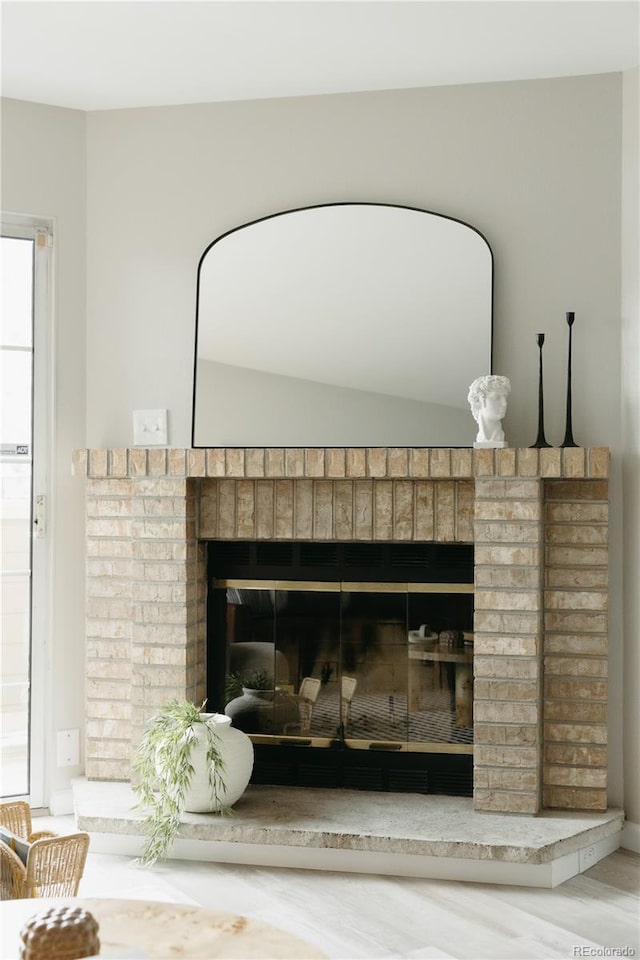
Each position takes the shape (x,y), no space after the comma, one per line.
(451,659)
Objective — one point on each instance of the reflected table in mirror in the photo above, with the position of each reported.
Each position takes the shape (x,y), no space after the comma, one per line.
(149,930)
(462,660)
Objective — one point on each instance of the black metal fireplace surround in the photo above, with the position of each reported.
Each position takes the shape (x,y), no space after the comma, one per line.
(364,651)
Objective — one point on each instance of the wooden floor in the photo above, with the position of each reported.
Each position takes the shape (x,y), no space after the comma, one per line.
(369,917)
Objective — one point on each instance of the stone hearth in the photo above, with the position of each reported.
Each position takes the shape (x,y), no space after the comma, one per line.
(539,521)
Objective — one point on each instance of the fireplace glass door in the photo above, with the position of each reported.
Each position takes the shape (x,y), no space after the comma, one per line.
(371,666)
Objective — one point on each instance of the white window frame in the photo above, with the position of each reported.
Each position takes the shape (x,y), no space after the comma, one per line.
(41,231)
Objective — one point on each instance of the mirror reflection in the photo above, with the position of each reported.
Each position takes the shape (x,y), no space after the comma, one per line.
(342,325)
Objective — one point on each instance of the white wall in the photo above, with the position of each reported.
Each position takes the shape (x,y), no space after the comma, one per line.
(535,166)
(43,174)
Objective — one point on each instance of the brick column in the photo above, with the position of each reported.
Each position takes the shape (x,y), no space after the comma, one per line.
(508,646)
(576,647)
(109,628)
(169,589)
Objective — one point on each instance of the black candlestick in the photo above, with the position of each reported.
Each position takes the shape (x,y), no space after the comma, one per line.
(540,439)
(568,434)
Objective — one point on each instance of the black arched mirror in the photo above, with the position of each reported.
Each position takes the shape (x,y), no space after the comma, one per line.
(349,324)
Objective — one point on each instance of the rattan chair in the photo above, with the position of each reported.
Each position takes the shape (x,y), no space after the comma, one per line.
(54,863)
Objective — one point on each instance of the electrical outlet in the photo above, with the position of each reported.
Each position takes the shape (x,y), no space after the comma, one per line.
(587,857)
(68,748)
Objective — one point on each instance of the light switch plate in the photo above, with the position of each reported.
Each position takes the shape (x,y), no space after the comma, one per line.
(150,428)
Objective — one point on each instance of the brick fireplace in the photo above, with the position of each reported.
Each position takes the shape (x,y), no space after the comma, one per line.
(539,522)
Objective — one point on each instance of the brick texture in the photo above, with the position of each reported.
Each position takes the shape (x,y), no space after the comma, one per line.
(539,520)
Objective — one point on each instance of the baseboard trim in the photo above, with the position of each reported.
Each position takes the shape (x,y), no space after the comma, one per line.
(631,836)
(61,803)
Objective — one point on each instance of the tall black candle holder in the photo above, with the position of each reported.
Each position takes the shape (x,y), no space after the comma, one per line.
(568,433)
(540,439)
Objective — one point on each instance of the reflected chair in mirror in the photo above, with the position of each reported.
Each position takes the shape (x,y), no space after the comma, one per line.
(307,696)
(41,863)
(347,689)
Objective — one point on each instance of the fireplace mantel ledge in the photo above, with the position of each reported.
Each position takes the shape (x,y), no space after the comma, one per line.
(338,463)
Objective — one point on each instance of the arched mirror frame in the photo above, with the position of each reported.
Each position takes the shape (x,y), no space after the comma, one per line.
(294,210)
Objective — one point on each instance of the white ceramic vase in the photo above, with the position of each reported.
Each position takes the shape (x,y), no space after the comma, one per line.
(236,750)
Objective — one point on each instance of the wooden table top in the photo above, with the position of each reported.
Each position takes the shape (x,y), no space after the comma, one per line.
(151,930)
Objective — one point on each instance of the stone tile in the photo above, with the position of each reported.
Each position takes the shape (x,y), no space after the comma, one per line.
(504,802)
(505,461)
(98,461)
(254,462)
(336,462)
(568,621)
(344,503)
(574,798)
(464,511)
(568,711)
(303,495)
(226,509)
(246,509)
(138,462)
(79,462)
(440,465)
(579,490)
(550,462)
(356,462)
(363,509)
(376,462)
(419,462)
(578,666)
(196,463)
(157,462)
(216,462)
(483,463)
(507,576)
(234,463)
(598,461)
(573,462)
(575,688)
(323,510)
(528,462)
(444,504)
(383,510)
(314,462)
(424,522)
(507,555)
(505,667)
(580,644)
(294,462)
(505,646)
(576,755)
(275,466)
(265,509)
(398,462)
(284,509)
(403,510)
(584,733)
(118,462)
(576,600)
(499,601)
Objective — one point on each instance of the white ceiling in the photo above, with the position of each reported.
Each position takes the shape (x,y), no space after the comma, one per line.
(96,55)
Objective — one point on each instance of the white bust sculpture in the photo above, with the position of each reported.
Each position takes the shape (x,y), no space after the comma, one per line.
(488,400)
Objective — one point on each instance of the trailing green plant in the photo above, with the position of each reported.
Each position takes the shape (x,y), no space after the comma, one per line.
(163,772)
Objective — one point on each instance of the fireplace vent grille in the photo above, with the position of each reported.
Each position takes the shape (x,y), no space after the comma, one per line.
(411,562)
